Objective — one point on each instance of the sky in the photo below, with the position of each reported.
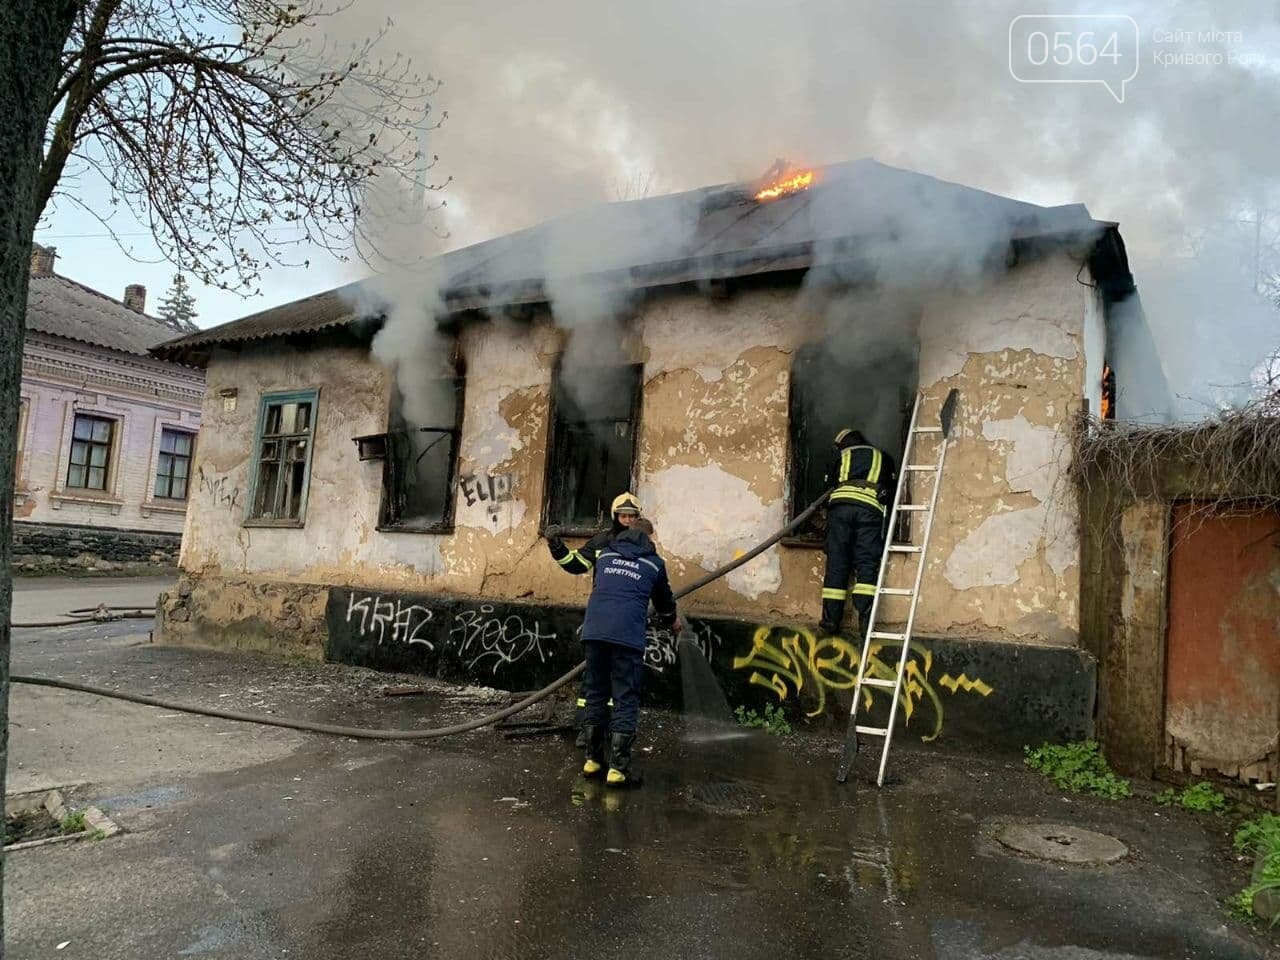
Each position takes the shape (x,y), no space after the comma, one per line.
(557,105)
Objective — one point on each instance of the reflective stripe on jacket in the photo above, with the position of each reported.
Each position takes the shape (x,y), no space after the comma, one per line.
(583,559)
(863,474)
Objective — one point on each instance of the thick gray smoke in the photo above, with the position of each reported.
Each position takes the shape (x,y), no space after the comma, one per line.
(553,105)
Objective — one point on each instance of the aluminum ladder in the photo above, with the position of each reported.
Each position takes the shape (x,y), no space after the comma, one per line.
(925,510)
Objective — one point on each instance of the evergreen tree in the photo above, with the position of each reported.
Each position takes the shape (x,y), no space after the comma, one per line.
(178,308)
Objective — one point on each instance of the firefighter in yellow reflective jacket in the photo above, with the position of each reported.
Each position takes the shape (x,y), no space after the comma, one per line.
(624,510)
(864,478)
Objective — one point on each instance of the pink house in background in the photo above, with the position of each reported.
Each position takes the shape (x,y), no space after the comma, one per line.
(106,432)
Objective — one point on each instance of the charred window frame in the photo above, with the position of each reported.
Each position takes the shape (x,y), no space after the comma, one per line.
(283,445)
(591,448)
(420,464)
(814,420)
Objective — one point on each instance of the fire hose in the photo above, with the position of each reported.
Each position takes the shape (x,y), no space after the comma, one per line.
(104,613)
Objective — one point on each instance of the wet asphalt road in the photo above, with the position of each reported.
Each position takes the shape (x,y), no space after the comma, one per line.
(251,843)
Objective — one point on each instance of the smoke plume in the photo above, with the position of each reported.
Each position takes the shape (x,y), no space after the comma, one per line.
(553,106)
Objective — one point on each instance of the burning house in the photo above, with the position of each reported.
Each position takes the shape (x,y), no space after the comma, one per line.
(375,472)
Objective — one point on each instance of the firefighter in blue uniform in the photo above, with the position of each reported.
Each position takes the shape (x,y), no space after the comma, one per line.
(864,478)
(624,510)
(629,574)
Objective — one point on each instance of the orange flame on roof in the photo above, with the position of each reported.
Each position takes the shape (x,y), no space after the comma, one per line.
(792,183)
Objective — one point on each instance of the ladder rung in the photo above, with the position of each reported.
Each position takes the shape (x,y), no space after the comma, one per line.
(912,507)
(902,548)
(896,591)
(874,731)
(877,682)
(921,467)
(928,429)
(877,635)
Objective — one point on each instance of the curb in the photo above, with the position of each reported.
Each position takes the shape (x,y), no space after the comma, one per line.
(97,823)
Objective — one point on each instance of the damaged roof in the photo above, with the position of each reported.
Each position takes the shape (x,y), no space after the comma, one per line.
(320,311)
(860,211)
(63,308)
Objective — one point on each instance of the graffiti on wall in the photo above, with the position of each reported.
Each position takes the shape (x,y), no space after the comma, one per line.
(486,637)
(220,489)
(481,634)
(387,619)
(493,489)
(794,661)
(661,649)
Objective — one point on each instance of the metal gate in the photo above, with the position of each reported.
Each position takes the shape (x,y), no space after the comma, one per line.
(1222,694)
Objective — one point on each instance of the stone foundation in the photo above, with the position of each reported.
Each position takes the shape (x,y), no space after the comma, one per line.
(281,618)
(50,548)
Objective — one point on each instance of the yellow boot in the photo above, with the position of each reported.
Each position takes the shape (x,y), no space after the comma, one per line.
(594,764)
(620,759)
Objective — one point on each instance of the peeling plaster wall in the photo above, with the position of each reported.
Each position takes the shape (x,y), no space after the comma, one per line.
(714,441)
(713,450)
(1004,556)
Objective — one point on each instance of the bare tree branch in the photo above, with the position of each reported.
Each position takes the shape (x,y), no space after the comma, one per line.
(218,122)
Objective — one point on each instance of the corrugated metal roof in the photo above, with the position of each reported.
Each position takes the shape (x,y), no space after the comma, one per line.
(64,308)
(714,232)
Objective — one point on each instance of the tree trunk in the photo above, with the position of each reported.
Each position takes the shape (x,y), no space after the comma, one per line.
(32,35)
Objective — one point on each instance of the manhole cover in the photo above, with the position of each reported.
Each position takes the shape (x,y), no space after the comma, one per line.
(1062,843)
(724,797)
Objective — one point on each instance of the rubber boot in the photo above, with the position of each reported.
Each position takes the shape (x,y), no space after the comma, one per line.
(579,722)
(620,760)
(864,621)
(594,764)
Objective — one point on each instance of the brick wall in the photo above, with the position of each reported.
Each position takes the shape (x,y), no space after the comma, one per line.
(141,396)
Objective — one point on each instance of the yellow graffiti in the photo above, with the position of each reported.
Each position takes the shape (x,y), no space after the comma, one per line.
(964,683)
(794,659)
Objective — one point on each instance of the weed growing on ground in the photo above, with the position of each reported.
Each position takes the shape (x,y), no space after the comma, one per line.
(74,823)
(1201,797)
(1078,767)
(1261,838)
(771,720)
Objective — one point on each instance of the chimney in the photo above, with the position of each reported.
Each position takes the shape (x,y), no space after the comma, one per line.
(135,297)
(42,259)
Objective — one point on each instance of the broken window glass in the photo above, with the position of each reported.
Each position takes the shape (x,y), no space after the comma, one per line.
(593,443)
(422,456)
(283,459)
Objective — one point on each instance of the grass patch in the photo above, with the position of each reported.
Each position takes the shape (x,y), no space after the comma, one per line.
(1200,797)
(74,823)
(771,719)
(1260,838)
(1078,767)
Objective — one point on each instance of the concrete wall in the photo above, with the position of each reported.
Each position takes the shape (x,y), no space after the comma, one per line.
(1130,528)
(61,378)
(713,450)
(1130,621)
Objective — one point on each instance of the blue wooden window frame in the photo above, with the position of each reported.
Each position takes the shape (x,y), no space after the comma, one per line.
(267,401)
